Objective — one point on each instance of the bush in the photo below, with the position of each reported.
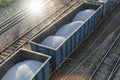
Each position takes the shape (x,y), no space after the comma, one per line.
(4,3)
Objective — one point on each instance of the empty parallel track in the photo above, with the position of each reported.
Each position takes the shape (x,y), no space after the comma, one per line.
(16,18)
(13,20)
(115,73)
(49,20)
(109,63)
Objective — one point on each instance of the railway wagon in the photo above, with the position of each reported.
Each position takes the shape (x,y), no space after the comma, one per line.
(42,73)
(68,45)
(107,4)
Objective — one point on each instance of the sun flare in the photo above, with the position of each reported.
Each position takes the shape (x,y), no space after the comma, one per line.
(36,6)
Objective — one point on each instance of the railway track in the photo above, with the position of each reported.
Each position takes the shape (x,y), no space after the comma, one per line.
(49,20)
(109,63)
(13,32)
(115,73)
(13,20)
(16,18)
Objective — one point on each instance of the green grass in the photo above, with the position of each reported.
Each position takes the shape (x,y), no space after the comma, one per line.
(4,3)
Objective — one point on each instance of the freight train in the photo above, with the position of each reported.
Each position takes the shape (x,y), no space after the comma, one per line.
(52,45)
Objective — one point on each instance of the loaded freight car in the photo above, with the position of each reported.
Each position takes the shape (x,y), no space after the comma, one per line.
(26,65)
(107,4)
(73,40)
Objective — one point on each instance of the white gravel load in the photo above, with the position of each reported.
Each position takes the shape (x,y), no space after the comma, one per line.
(23,70)
(67,29)
(103,1)
(53,41)
(83,15)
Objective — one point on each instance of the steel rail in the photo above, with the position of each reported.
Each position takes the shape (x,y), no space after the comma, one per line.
(104,57)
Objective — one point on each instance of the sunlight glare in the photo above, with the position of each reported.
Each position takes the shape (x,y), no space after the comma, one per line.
(36,5)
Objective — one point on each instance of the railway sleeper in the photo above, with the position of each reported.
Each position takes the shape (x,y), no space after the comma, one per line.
(8,51)
(5,54)
(2,57)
